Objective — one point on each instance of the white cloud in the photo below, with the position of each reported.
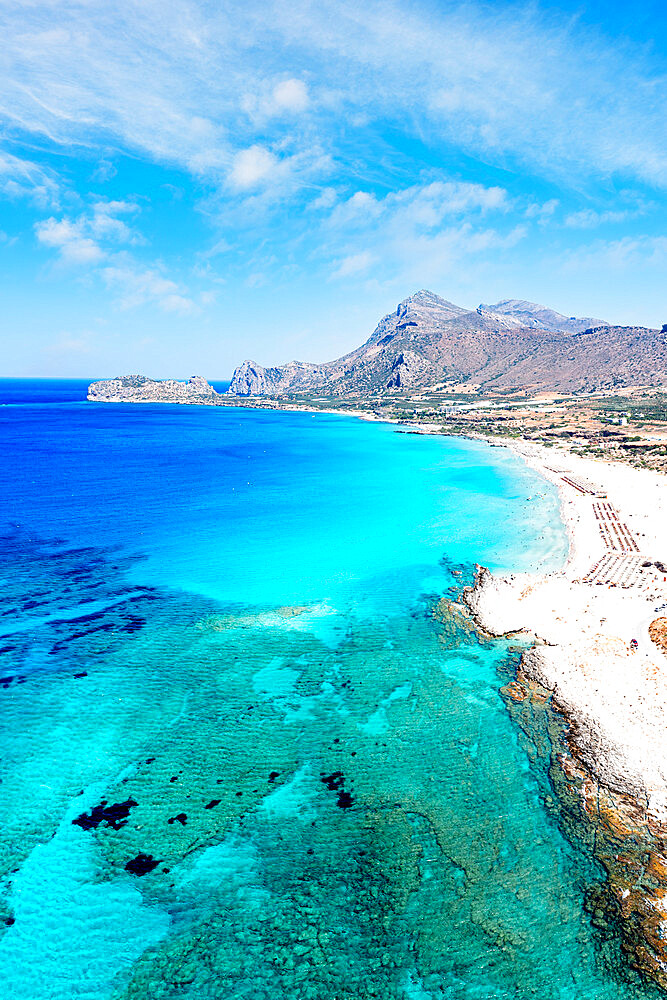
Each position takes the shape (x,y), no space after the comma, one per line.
(421,205)
(69,239)
(20,178)
(588,218)
(326,199)
(104,172)
(104,223)
(430,203)
(542,211)
(624,256)
(137,287)
(252,167)
(287,97)
(418,234)
(80,242)
(291,95)
(57,233)
(355,264)
(356,210)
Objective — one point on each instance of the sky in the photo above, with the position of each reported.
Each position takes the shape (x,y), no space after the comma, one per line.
(184,185)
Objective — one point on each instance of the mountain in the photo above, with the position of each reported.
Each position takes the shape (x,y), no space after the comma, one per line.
(429,341)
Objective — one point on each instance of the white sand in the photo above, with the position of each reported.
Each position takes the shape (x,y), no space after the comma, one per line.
(618,697)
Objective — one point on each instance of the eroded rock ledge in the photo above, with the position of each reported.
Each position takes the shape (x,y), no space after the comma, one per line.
(616,826)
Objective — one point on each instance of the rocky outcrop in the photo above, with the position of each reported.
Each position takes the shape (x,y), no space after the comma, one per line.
(140,389)
(427,342)
(251,379)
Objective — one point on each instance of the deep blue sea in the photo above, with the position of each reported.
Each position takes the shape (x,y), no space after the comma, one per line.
(249,749)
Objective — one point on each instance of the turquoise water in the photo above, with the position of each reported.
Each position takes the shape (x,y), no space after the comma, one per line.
(247,752)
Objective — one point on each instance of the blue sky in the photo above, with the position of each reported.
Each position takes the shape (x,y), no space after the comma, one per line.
(184,185)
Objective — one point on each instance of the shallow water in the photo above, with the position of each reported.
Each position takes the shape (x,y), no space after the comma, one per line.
(225,666)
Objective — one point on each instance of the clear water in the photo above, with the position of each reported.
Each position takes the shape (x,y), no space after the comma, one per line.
(221,666)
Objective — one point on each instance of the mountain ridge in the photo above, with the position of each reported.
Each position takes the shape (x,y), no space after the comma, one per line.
(428,342)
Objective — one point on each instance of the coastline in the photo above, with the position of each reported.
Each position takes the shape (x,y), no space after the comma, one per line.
(585,628)
(601,703)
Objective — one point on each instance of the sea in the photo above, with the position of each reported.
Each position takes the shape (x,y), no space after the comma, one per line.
(250,748)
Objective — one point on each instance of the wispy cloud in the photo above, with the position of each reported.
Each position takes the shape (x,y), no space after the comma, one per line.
(68,345)
(588,218)
(136,287)
(624,255)
(423,205)
(285,98)
(21,178)
(354,264)
(80,240)
(69,239)
(501,81)
(542,212)
(105,224)
(98,239)
(253,166)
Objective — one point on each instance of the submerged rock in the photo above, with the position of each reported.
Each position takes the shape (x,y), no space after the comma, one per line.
(114,815)
(142,864)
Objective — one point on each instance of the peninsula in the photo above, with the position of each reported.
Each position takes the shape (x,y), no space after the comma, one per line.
(139,389)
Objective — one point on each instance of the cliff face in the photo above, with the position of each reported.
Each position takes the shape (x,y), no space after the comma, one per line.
(428,341)
(139,389)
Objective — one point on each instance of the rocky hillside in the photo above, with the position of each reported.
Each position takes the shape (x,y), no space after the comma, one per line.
(430,342)
(139,389)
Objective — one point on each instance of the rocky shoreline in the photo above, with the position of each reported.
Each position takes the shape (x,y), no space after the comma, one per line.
(614,826)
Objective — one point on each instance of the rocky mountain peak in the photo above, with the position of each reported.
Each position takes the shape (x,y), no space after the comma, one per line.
(534,316)
(425,299)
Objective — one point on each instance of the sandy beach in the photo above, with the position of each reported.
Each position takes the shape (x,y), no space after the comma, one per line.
(586,622)
(594,655)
